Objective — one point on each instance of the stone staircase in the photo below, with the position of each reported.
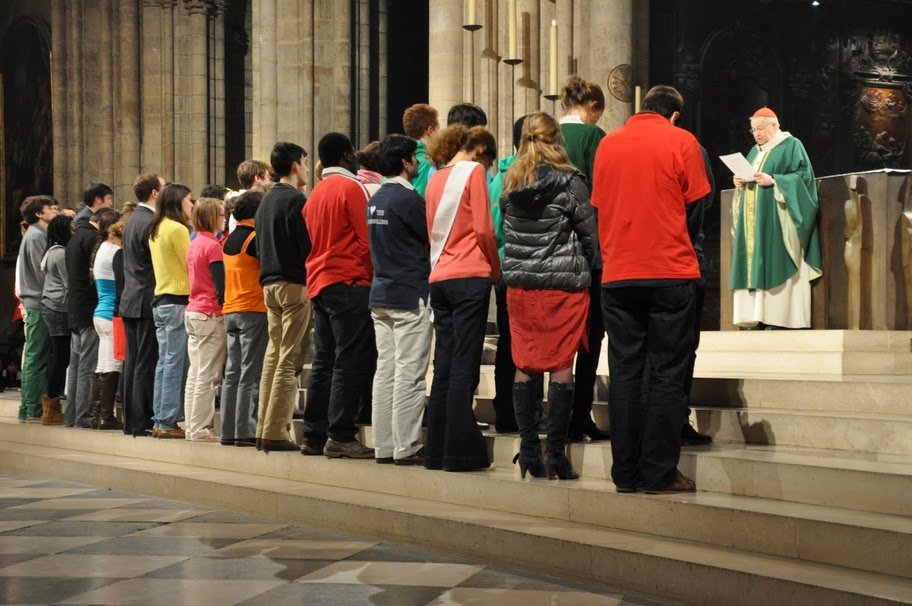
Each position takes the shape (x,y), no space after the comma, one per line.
(805,497)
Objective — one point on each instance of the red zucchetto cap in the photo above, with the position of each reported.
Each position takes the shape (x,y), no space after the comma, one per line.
(765,112)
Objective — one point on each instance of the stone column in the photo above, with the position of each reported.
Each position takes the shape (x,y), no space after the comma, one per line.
(101,98)
(445,55)
(332,90)
(528,84)
(74,109)
(169,58)
(563,14)
(264,77)
(59,89)
(152,83)
(126,109)
(383,68)
(611,46)
(195,139)
(217,99)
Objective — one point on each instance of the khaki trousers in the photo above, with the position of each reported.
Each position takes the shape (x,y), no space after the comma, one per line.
(288,322)
(206,349)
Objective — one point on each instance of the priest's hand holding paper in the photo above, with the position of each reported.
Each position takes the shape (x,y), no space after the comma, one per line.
(763,179)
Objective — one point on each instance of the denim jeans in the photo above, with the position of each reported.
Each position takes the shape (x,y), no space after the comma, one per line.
(171,369)
(454,441)
(83,360)
(343,365)
(247,339)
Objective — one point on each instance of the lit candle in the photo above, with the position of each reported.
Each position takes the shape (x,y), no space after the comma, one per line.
(511,28)
(637,93)
(471,20)
(553,54)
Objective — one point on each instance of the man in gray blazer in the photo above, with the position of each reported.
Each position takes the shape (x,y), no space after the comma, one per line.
(136,309)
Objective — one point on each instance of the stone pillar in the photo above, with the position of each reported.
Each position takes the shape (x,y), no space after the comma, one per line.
(74,108)
(126,109)
(610,47)
(216,99)
(265,76)
(101,98)
(563,14)
(152,82)
(195,142)
(445,55)
(383,68)
(332,90)
(168,60)
(59,101)
(528,85)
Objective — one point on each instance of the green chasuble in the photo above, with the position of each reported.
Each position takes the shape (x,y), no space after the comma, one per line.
(774,227)
(425,169)
(494,189)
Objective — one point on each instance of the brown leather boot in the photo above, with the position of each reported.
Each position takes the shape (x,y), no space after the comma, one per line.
(51,414)
(108,382)
(96,400)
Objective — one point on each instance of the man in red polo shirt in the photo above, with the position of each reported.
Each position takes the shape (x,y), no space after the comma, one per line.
(645,174)
(339,275)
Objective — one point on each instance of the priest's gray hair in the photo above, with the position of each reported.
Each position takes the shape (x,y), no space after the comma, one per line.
(766,120)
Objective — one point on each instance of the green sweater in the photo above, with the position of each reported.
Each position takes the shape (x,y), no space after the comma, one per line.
(495,190)
(581,141)
(425,169)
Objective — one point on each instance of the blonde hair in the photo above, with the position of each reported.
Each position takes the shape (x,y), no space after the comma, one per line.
(540,143)
(206,215)
(456,138)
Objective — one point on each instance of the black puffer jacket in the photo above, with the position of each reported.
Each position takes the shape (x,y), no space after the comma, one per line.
(550,232)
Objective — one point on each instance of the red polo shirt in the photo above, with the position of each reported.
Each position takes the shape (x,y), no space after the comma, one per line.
(644,175)
(336,219)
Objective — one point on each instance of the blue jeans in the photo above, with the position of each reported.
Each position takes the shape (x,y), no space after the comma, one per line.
(171,369)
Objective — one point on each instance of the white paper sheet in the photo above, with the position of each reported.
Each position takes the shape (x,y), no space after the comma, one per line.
(739,165)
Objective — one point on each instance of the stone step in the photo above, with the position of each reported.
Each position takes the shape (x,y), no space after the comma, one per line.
(496,517)
(859,432)
(880,482)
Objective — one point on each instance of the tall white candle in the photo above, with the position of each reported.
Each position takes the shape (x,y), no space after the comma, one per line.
(553,56)
(637,92)
(511,28)
(471,20)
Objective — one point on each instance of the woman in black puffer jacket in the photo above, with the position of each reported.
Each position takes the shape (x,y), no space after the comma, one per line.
(551,242)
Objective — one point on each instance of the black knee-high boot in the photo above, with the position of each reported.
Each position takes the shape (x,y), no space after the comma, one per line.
(560,403)
(525,406)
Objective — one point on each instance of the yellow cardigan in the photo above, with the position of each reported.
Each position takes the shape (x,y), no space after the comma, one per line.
(169,258)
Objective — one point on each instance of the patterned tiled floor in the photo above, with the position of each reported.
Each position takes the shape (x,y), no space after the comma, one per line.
(64,543)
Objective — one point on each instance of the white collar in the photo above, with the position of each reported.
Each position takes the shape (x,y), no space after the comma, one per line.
(400,181)
(146,205)
(338,170)
(775,140)
(571,120)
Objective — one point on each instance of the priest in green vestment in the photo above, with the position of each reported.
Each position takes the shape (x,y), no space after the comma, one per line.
(774,222)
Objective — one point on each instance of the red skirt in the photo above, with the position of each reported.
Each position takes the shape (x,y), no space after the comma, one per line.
(547,327)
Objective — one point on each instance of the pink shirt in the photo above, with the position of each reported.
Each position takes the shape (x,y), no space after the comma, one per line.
(204,250)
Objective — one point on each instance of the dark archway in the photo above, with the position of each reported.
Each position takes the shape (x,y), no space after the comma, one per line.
(27,134)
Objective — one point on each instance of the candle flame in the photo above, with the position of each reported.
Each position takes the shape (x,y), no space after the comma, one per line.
(553,22)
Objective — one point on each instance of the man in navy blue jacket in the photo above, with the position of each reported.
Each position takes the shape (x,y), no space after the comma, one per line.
(398,237)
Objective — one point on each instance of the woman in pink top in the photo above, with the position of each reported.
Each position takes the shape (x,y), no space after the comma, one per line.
(206,340)
(464,265)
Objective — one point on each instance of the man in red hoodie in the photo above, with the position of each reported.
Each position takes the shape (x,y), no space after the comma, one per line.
(338,281)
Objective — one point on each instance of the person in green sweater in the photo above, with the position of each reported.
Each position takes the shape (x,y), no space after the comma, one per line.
(584,103)
(420,122)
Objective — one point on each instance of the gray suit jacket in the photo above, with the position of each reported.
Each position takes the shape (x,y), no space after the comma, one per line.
(139,278)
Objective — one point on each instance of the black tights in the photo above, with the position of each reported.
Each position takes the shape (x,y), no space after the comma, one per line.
(58,360)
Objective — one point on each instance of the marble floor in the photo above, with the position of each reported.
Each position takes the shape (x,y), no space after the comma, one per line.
(65,543)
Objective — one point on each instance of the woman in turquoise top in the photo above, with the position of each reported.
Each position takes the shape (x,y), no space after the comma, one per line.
(584,103)
(107,372)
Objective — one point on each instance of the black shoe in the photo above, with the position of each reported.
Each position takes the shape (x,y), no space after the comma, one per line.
(277,445)
(229,442)
(692,437)
(347,450)
(533,465)
(383,460)
(245,442)
(310,451)
(414,459)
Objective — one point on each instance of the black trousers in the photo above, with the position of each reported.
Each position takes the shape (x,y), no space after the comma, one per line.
(504,369)
(454,441)
(587,361)
(58,360)
(653,324)
(139,374)
(343,365)
(699,298)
